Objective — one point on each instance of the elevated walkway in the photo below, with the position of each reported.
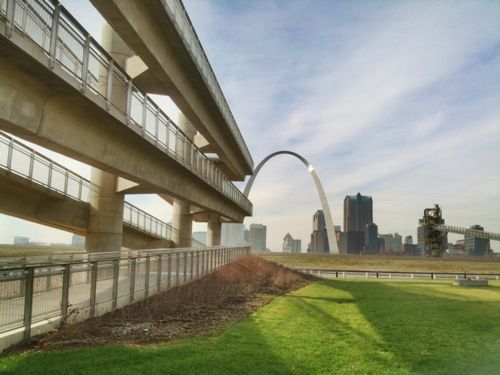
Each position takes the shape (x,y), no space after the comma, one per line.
(172,62)
(60,89)
(35,188)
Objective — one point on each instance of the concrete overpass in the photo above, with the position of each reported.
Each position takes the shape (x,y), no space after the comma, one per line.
(169,59)
(35,188)
(59,88)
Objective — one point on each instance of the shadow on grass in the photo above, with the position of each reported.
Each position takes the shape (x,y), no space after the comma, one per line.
(237,351)
(432,331)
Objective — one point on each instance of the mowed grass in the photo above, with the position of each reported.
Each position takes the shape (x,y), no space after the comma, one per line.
(328,327)
(382,263)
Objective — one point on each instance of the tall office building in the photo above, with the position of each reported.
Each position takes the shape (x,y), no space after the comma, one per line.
(358,212)
(319,238)
(474,246)
(371,239)
(232,234)
(291,245)
(257,237)
(391,243)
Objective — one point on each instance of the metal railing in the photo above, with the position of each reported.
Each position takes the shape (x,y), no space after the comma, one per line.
(68,45)
(177,13)
(370,274)
(21,160)
(89,285)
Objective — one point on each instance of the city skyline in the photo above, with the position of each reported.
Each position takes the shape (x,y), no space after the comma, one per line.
(403,83)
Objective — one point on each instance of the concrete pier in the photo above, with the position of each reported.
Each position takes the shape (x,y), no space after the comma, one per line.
(182,222)
(213,230)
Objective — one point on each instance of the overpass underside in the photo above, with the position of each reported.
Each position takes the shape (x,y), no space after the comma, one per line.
(29,201)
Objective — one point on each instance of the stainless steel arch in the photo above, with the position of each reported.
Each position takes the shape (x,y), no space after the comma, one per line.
(330,229)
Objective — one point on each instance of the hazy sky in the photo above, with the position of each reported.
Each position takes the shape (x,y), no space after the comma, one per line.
(397,100)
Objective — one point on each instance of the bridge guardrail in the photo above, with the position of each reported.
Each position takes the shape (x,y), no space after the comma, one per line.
(177,13)
(19,159)
(97,283)
(67,43)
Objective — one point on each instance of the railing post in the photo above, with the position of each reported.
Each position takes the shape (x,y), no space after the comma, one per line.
(65,291)
(158,273)
(146,277)
(192,265)
(109,84)
(169,269)
(129,101)
(202,262)
(132,279)
(9,155)
(177,266)
(93,288)
(185,266)
(85,63)
(28,301)
(197,263)
(9,25)
(116,273)
(53,35)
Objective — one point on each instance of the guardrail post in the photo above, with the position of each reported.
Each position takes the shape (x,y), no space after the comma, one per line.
(132,279)
(192,265)
(169,269)
(177,266)
(158,273)
(53,35)
(85,63)
(185,265)
(65,291)
(146,277)
(129,101)
(93,288)
(28,301)
(109,84)
(116,272)
(9,25)
(197,263)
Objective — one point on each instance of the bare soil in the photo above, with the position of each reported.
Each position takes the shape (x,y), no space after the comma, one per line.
(202,307)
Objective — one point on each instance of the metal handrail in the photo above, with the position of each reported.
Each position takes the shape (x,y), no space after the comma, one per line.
(21,160)
(178,15)
(65,39)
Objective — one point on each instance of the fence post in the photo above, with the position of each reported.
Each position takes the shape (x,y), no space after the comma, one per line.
(146,277)
(192,265)
(65,291)
(198,263)
(116,271)
(28,301)
(202,262)
(93,288)
(185,265)
(158,274)
(432,275)
(132,279)
(169,270)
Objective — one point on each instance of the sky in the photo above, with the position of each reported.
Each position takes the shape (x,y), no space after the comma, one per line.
(398,100)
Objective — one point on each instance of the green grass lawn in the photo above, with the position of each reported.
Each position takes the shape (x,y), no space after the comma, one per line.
(381,263)
(329,327)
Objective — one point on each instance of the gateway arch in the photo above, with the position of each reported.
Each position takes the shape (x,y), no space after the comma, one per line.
(330,230)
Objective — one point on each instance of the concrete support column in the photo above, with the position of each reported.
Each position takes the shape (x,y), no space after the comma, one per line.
(106,214)
(213,230)
(182,221)
(106,206)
